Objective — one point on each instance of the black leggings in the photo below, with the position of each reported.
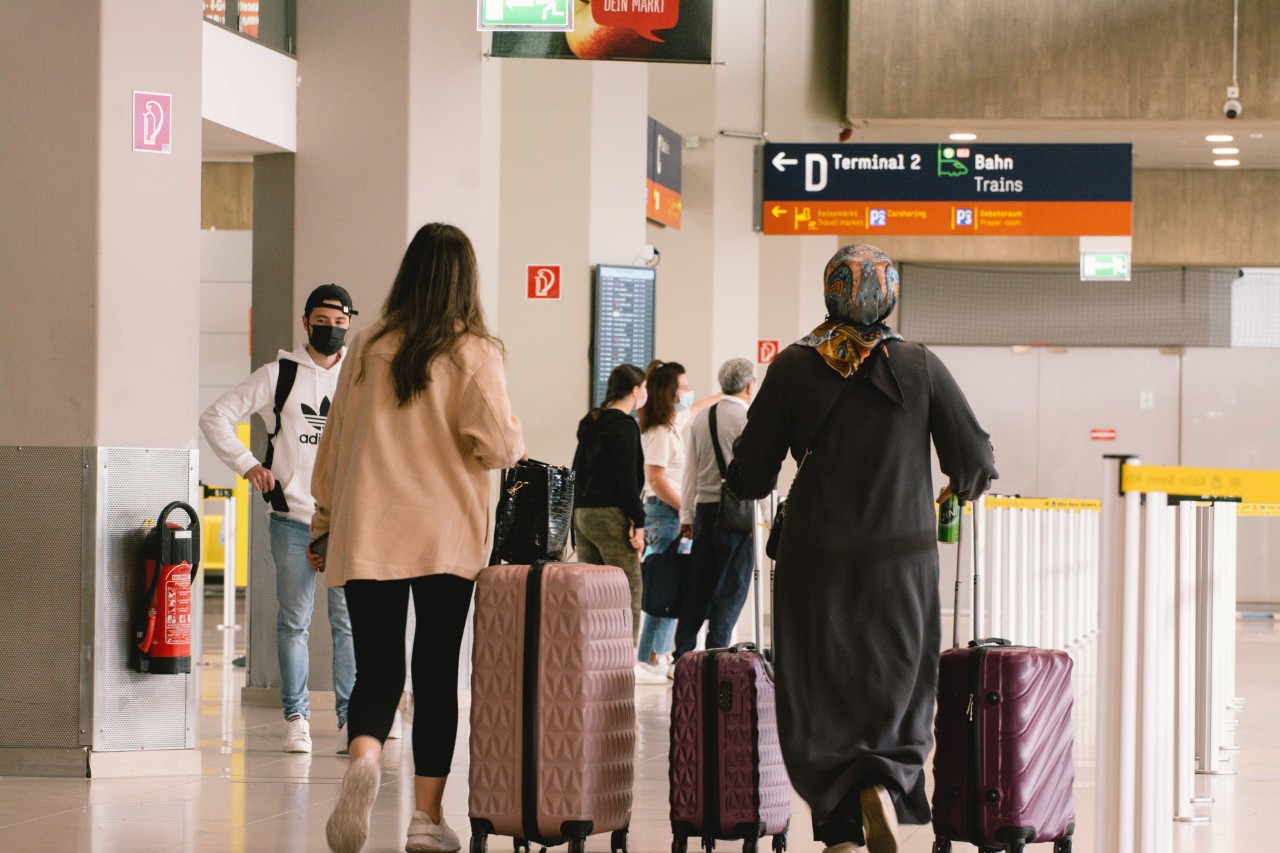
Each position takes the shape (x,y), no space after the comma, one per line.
(379,610)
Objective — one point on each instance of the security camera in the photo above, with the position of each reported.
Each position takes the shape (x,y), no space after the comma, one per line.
(1232,108)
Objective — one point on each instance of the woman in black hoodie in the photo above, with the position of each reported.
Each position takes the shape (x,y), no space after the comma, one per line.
(608,517)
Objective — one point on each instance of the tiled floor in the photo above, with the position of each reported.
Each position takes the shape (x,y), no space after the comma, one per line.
(252,797)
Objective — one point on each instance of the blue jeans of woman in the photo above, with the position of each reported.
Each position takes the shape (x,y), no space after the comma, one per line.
(661,528)
(295,596)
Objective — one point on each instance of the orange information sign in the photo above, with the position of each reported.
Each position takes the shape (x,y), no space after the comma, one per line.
(943,219)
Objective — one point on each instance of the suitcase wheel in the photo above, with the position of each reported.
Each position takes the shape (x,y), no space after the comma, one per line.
(679,844)
(942,845)
(780,843)
(519,845)
(479,844)
(577,845)
(750,845)
(618,841)
(709,845)
(1063,846)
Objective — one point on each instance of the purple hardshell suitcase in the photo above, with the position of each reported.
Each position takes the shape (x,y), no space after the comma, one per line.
(728,779)
(1002,768)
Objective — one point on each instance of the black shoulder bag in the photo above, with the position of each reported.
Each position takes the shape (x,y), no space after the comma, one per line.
(284,384)
(779,520)
(734,515)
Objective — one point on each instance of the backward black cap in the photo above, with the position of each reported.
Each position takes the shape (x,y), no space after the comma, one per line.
(330,293)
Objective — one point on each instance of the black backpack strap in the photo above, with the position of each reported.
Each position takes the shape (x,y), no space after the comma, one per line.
(284,384)
(715,443)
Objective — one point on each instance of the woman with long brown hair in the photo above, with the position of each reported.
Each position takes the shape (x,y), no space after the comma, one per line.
(401,483)
(663,420)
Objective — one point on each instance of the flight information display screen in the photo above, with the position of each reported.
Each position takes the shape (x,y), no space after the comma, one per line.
(622,322)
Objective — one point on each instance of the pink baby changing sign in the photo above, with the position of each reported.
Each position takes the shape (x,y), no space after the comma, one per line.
(151,121)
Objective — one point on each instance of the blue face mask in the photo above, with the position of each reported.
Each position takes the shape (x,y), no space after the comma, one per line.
(684,401)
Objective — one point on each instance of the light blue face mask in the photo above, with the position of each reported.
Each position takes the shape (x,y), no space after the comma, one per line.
(684,401)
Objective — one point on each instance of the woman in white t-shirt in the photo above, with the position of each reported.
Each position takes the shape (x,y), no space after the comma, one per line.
(663,420)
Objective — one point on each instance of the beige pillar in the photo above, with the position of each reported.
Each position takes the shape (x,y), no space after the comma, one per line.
(573,193)
(99,244)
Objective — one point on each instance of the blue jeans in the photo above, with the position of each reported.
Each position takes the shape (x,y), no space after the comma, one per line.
(661,528)
(719,579)
(295,593)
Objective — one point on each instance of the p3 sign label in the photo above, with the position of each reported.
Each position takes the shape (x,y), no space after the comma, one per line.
(543,281)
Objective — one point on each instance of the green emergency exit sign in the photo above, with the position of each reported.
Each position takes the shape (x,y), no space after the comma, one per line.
(549,15)
(1104,266)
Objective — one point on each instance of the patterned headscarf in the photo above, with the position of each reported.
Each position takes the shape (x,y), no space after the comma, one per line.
(861,288)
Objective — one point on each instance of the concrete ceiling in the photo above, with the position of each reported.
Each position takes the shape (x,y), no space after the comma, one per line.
(1156,145)
(223,145)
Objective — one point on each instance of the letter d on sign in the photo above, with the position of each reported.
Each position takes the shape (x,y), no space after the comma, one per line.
(815,172)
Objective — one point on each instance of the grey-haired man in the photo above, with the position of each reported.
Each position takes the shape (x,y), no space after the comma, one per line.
(721,560)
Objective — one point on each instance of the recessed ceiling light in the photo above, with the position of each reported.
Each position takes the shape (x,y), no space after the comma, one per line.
(1226,162)
(1219,137)
(1255,136)
(1226,151)
(963,137)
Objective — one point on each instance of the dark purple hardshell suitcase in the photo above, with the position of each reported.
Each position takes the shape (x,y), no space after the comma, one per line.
(1002,768)
(728,779)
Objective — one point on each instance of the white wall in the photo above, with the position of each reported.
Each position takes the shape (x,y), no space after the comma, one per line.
(226,267)
(1255,308)
(249,88)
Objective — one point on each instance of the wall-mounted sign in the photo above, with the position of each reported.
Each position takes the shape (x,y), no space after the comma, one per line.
(946,190)
(622,322)
(1104,266)
(549,15)
(152,122)
(1102,435)
(216,11)
(543,281)
(643,30)
(663,175)
(766,351)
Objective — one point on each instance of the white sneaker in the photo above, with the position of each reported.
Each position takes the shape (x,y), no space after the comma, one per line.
(427,836)
(343,745)
(297,734)
(397,727)
(647,674)
(348,826)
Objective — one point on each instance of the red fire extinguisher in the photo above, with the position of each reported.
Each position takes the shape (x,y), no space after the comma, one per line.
(162,623)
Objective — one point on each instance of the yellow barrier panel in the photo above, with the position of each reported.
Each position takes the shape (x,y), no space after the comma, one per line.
(1259,510)
(242,493)
(1043,503)
(1250,486)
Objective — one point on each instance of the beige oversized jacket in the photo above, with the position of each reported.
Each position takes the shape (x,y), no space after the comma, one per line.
(404,491)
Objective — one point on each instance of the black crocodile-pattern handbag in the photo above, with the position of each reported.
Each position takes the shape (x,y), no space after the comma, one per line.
(535,513)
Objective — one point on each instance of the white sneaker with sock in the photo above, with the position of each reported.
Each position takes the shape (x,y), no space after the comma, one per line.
(297,734)
(427,836)
(648,674)
(348,826)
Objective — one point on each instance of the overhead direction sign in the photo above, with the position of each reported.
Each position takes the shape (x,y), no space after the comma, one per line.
(946,190)
(548,15)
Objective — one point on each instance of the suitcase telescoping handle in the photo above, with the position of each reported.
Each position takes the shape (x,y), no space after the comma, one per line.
(955,610)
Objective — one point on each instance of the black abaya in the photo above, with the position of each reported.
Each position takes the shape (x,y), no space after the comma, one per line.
(856,598)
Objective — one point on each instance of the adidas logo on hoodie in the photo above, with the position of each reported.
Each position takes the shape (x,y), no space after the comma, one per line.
(317,419)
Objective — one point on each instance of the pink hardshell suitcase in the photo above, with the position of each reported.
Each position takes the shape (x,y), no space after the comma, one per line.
(728,779)
(1002,769)
(552,706)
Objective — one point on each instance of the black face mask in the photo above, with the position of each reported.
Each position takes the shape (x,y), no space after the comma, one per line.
(326,340)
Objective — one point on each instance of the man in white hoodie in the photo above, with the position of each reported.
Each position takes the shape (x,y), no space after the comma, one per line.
(292,395)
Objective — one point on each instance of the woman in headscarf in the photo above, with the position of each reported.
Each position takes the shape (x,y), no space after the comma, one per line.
(857,621)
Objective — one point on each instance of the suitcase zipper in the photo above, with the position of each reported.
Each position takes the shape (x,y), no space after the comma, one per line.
(711,743)
(529,704)
(975,743)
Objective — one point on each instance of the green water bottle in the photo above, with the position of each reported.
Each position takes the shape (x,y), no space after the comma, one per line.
(949,520)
